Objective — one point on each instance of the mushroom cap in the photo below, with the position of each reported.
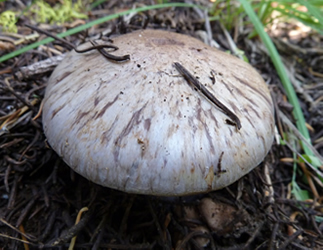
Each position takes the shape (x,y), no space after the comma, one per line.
(138,126)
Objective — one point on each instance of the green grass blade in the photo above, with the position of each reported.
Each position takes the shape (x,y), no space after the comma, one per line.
(292,97)
(96,3)
(312,18)
(314,11)
(95,22)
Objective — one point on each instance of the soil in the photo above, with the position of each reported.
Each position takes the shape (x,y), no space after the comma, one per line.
(41,197)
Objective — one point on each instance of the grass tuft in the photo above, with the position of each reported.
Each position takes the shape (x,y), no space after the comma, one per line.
(291,95)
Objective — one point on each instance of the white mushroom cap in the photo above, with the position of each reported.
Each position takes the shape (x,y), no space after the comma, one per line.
(139,127)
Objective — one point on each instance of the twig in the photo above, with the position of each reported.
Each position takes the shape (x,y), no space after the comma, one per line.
(273,236)
(22,229)
(78,218)
(100,47)
(70,45)
(72,231)
(39,111)
(25,211)
(123,224)
(39,67)
(7,82)
(158,227)
(49,226)
(109,56)
(255,233)
(192,80)
(290,239)
(231,43)
(16,230)
(299,136)
(17,239)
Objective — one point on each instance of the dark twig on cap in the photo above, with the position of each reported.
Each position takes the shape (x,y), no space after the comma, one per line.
(99,47)
(192,80)
(109,56)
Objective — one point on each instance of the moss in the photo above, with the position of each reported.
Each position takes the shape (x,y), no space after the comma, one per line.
(60,13)
(8,21)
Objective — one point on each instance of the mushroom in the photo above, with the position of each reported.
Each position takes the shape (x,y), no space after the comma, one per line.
(140,126)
